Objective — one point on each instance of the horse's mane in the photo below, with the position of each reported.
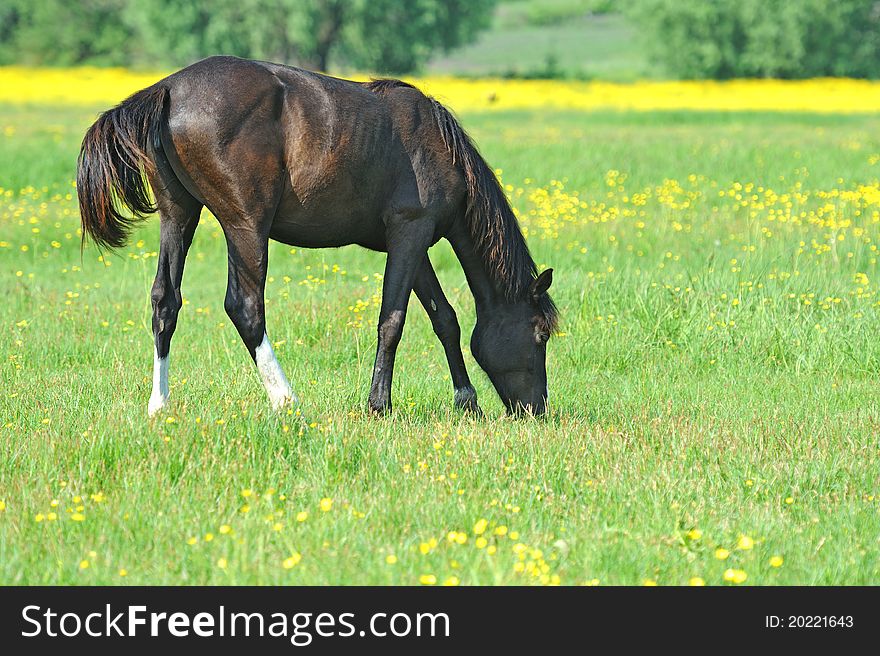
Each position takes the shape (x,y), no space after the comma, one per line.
(490,219)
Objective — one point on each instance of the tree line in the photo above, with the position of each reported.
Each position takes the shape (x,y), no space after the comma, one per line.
(688,38)
(762,38)
(392,36)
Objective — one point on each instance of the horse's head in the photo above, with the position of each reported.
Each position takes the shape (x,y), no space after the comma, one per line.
(511,347)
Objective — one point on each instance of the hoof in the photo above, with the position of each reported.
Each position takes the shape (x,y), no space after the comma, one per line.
(283,401)
(466,400)
(156,405)
(473,410)
(379,408)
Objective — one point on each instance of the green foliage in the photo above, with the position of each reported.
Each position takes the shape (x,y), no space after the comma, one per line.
(63,33)
(763,38)
(397,36)
(394,36)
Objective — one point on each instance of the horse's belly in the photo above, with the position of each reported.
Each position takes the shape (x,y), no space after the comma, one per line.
(328,231)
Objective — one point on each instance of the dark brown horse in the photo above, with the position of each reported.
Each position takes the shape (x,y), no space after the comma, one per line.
(315,161)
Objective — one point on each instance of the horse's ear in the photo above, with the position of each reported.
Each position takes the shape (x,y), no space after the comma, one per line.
(541,284)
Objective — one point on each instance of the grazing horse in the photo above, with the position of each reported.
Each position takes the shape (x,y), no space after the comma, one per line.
(318,162)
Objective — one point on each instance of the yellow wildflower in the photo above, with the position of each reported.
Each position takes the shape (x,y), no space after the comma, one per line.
(735,576)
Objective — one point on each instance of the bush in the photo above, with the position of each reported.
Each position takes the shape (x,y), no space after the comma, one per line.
(762,38)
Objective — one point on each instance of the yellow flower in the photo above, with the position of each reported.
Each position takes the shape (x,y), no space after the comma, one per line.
(78,517)
(696,582)
(326,504)
(52,516)
(735,576)
(501,531)
(191,541)
(246,492)
(776,561)
(789,500)
(302,516)
(277,526)
(745,543)
(721,553)
(123,572)
(480,526)
(391,559)
(452,580)
(40,517)
(226,528)
(83,564)
(291,561)
(481,542)
(694,534)
(209,537)
(427,579)
(2,505)
(649,583)
(222,563)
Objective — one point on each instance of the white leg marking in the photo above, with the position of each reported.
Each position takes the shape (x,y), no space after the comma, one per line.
(159,397)
(273,377)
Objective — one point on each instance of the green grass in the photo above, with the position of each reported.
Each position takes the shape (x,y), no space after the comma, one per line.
(764,425)
(581,46)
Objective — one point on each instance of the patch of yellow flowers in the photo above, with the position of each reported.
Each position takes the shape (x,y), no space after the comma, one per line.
(104,86)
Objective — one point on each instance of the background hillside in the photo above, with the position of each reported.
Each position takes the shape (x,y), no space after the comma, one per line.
(560,38)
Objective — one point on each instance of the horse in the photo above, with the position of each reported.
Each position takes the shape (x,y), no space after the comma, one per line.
(314,161)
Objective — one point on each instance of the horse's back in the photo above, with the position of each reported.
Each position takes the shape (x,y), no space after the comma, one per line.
(330,156)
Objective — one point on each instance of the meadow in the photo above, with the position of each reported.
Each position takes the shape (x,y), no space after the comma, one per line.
(713,389)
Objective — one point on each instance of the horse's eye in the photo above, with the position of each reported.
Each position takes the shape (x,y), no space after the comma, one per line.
(541,338)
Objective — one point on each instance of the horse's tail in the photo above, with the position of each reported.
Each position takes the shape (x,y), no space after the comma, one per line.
(111,162)
(489,217)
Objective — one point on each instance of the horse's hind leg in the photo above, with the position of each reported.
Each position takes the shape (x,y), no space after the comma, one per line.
(445,324)
(248,264)
(179,216)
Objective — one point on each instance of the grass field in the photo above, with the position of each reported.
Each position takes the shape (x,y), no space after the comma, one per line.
(714,389)
(581,46)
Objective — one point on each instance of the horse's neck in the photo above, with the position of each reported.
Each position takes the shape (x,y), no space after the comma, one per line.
(486,296)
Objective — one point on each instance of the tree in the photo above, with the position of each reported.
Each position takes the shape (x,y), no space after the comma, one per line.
(394,36)
(59,32)
(398,36)
(763,38)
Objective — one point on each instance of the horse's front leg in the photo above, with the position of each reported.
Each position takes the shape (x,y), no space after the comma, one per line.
(446,327)
(408,240)
(248,265)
